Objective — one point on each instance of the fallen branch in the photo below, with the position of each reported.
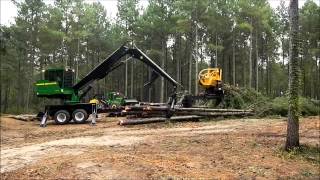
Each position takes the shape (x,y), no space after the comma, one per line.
(24,117)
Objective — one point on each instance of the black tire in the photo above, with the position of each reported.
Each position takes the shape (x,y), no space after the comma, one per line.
(61,117)
(79,116)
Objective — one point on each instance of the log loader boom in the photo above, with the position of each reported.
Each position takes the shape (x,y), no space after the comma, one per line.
(58,83)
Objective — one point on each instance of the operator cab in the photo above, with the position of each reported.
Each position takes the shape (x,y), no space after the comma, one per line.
(55,82)
(64,77)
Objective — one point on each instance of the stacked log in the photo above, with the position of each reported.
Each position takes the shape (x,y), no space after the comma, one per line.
(213,112)
(162,110)
(156,120)
(159,113)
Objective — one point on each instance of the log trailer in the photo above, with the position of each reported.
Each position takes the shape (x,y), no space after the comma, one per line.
(58,84)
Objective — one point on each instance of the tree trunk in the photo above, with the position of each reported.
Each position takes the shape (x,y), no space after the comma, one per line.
(150,87)
(294,73)
(196,62)
(282,46)
(257,63)
(190,69)
(163,49)
(126,79)
(244,72)
(318,77)
(178,68)
(267,76)
(131,79)
(6,97)
(250,59)
(233,62)
(19,85)
(216,61)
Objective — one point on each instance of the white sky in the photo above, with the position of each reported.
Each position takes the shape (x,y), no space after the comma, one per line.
(8,10)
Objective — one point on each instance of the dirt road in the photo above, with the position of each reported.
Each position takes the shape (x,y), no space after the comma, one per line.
(238,148)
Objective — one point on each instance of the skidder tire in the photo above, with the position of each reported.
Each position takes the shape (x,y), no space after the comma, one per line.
(61,117)
(79,116)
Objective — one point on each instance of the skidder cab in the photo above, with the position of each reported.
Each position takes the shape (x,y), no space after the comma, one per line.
(57,83)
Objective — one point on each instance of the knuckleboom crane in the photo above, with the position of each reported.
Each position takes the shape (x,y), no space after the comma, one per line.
(58,83)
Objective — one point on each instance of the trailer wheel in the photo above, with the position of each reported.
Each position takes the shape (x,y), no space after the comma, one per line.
(62,117)
(79,116)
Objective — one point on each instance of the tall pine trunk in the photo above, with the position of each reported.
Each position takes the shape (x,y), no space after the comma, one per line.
(190,69)
(178,65)
(196,62)
(250,59)
(294,73)
(216,61)
(163,54)
(233,61)
(131,79)
(126,79)
(257,64)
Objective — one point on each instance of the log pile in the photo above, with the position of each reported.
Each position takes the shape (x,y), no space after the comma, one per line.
(146,111)
(153,114)
(156,119)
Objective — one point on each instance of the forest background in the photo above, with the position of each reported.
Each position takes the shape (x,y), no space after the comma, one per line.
(246,38)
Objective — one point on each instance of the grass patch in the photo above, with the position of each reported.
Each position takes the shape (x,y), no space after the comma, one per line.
(305,152)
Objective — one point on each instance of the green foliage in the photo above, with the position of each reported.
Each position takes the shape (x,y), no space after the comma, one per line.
(239,97)
(279,106)
(305,152)
(245,26)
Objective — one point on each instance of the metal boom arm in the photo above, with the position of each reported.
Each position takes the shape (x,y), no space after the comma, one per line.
(108,65)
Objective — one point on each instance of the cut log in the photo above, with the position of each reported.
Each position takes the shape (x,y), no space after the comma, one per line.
(209,114)
(156,111)
(153,104)
(211,110)
(166,108)
(141,121)
(24,117)
(147,108)
(157,119)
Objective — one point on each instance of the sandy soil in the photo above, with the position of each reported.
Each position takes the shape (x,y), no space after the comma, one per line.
(230,148)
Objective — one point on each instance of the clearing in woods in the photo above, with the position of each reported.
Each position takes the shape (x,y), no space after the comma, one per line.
(235,148)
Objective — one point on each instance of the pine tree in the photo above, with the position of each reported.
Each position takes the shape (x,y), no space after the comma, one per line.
(294,75)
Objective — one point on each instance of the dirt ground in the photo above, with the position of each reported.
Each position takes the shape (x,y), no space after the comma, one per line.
(217,149)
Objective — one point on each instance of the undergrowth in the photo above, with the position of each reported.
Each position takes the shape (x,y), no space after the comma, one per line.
(244,98)
(305,152)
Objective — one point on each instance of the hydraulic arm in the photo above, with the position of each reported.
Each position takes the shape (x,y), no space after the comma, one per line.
(113,62)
